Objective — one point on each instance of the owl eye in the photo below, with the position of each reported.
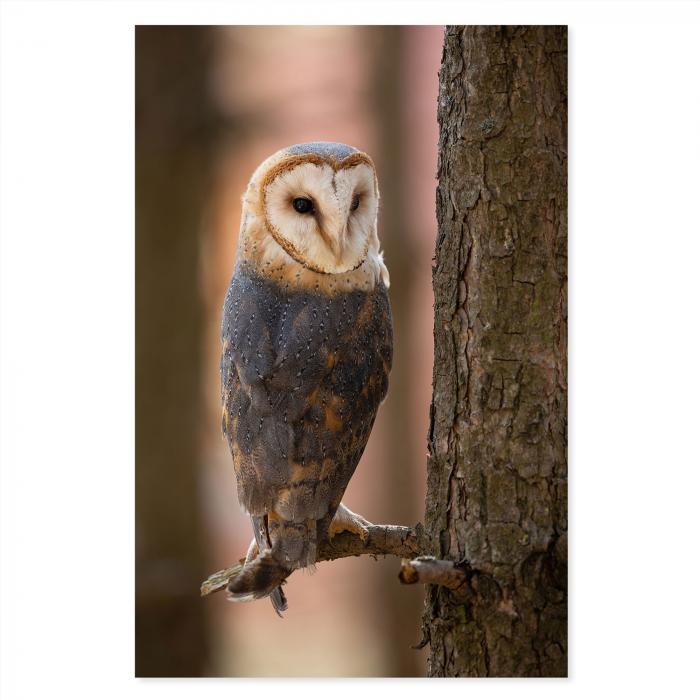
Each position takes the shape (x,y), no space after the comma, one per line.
(303,205)
(355,202)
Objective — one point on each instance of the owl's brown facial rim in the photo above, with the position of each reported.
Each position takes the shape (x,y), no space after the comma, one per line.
(322,211)
(292,161)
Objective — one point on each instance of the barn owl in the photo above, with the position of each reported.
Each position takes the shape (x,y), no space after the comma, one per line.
(306,354)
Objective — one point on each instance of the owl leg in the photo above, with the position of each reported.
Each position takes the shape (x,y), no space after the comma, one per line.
(347,521)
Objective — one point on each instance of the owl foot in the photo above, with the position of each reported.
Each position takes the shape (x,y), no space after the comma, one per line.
(347,521)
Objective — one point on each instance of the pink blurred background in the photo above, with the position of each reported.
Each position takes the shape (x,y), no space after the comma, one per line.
(374,88)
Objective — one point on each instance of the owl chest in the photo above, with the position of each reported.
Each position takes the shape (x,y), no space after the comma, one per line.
(299,351)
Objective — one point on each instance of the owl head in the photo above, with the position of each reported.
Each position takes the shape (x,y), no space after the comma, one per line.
(314,206)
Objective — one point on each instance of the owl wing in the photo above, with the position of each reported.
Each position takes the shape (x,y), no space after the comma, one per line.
(302,378)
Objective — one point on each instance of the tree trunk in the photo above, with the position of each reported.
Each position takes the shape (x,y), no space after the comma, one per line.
(497,443)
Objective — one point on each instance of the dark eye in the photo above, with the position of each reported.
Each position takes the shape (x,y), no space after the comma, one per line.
(355,202)
(303,205)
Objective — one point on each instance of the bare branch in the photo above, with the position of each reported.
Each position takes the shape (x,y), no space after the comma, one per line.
(429,570)
(394,540)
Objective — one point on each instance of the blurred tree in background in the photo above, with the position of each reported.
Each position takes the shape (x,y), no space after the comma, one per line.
(174,135)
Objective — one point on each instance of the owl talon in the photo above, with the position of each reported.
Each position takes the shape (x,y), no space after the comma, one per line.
(347,521)
(252,552)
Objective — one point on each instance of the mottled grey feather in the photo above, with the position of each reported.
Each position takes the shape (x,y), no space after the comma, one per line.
(325,149)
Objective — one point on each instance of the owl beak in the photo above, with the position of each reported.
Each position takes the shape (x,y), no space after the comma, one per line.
(334,231)
(339,241)
(332,241)
(336,238)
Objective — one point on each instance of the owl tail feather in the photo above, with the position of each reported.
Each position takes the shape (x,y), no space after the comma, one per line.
(261,577)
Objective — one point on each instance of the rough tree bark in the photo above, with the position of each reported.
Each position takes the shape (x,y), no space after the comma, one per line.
(497,484)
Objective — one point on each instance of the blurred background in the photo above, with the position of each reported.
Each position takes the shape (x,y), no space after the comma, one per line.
(211,104)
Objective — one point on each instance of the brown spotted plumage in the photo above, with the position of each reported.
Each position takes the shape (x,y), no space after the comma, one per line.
(306,352)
